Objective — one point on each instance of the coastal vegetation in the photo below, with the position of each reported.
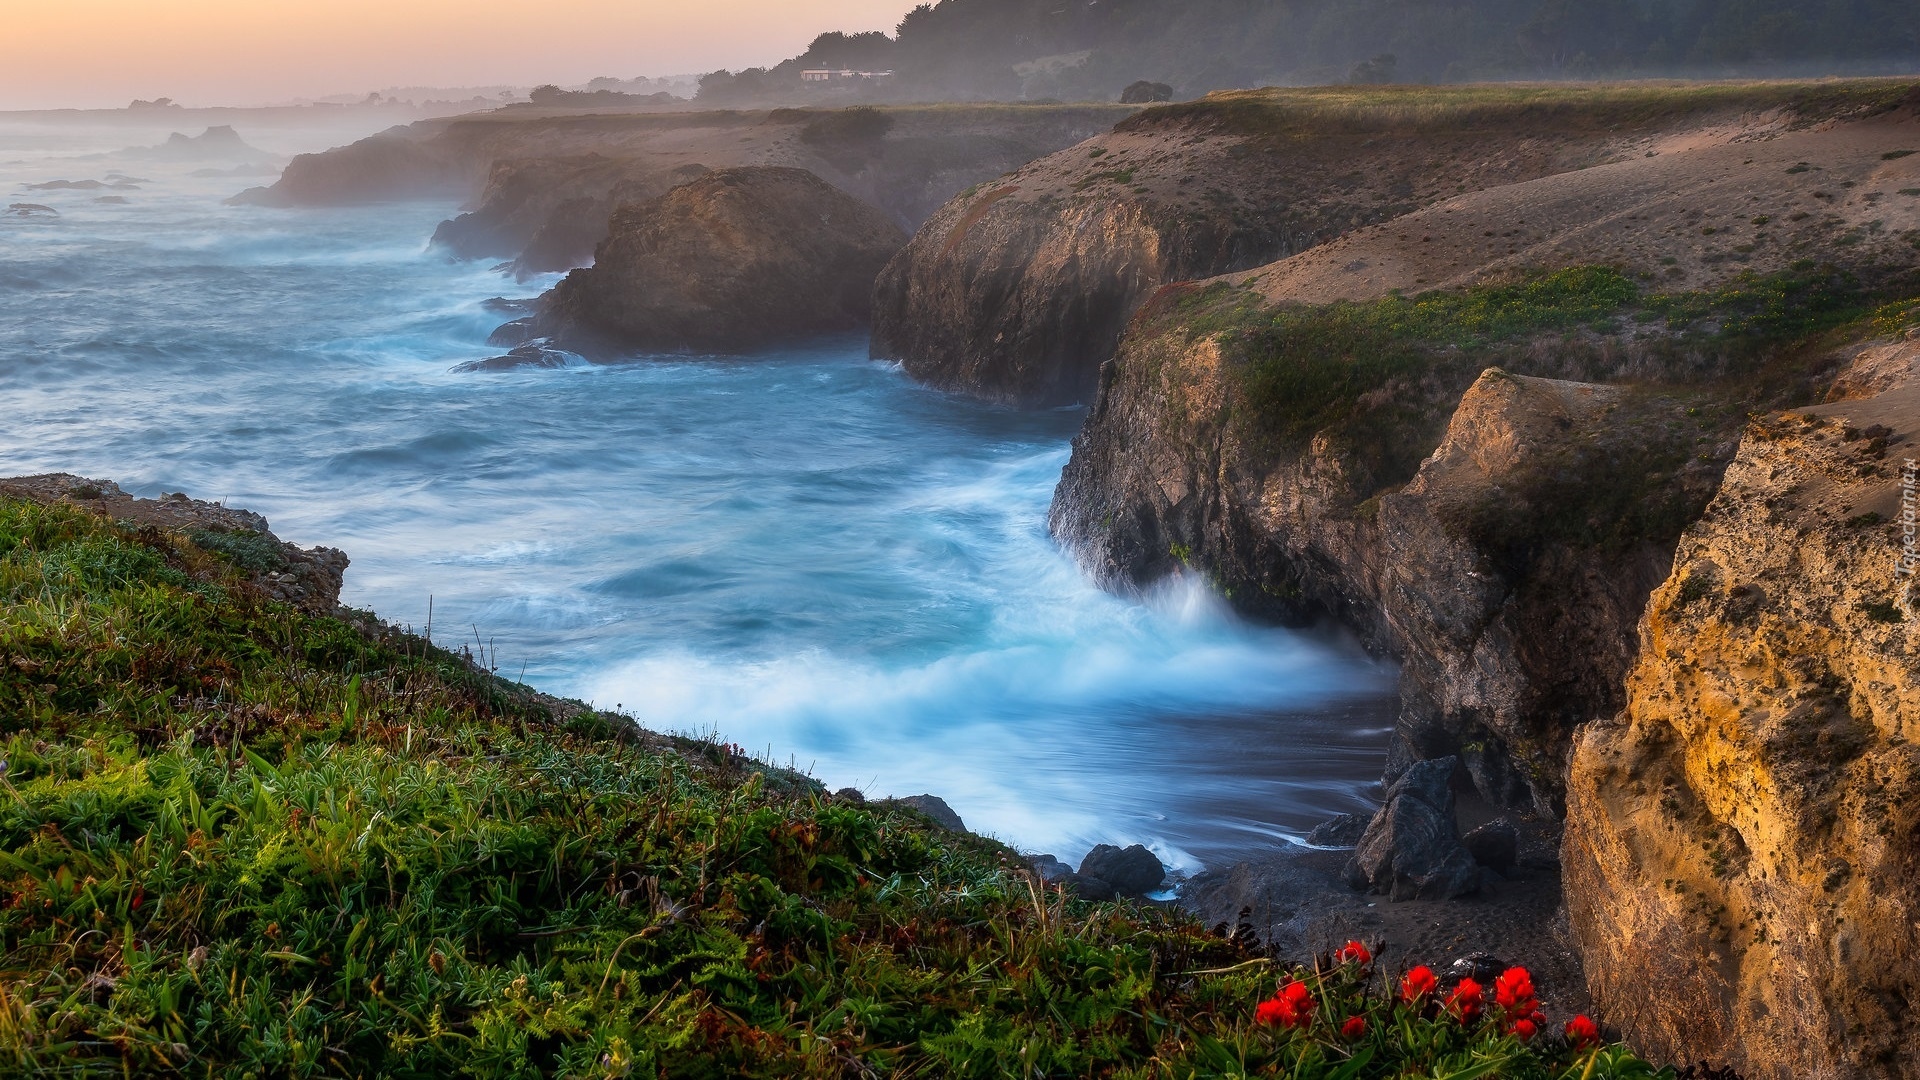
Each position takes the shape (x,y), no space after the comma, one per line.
(238,838)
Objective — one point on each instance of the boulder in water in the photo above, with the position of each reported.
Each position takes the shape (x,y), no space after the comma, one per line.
(27,209)
(1132,871)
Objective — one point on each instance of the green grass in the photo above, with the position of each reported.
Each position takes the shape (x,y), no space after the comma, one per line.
(1512,107)
(240,840)
(1302,370)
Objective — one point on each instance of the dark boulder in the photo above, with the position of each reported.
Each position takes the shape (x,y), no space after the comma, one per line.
(1495,845)
(27,209)
(1049,868)
(936,808)
(738,259)
(1412,847)
(1132,871)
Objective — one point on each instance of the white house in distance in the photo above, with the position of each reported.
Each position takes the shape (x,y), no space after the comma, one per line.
(842,75)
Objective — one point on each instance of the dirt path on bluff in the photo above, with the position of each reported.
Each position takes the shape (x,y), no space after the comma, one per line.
(1691,211)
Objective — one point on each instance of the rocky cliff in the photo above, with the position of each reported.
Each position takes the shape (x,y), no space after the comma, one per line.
(737,259)
(1743,840)
(1506,574)
(1298,433)
(1019,289)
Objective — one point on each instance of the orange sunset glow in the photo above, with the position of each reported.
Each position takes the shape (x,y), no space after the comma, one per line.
(102,53)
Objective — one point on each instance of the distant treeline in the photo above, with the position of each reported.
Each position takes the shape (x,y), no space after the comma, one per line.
(1093,49)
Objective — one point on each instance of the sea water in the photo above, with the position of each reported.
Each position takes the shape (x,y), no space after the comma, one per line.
(802,552)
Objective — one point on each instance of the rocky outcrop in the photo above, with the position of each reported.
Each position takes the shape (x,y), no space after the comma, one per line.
(738,259)
(550,213)
(1498,537)
(1743,840)
(380,168)
(308,578)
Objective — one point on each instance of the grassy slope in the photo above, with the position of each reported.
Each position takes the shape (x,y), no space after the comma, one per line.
(240,840)
(1381,378)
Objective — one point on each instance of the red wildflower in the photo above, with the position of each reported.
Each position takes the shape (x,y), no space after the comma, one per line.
(1353,953)
(1514,991)
(1418,983)
(1582,1031)
(1291,1007)
(1466,1001)
(1524,1029)
(1354,1028)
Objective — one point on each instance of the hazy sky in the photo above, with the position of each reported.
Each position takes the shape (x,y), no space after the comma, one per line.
(104,53)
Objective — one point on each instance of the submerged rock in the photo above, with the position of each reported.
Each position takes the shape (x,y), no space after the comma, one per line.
(533,355)
(737,259)
(27,209)
(1412,848)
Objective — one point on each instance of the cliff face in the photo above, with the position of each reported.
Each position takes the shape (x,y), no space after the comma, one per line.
(1517,562)
(1743,841)
(737,259)
(1495,575)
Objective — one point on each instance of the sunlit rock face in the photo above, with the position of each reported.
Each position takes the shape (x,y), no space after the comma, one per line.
(1743,841)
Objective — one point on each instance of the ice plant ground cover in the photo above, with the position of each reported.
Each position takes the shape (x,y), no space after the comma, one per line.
(236,839)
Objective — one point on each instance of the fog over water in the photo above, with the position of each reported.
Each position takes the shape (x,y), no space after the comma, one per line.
(804,552)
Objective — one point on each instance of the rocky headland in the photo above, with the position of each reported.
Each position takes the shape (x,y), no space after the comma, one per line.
(1478,376)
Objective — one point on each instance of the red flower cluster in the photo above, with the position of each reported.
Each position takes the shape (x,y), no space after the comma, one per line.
(1513,996)
(1466,1001)
(1291,1007)
(1514,991)
(1417,984)
(1582,1031)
